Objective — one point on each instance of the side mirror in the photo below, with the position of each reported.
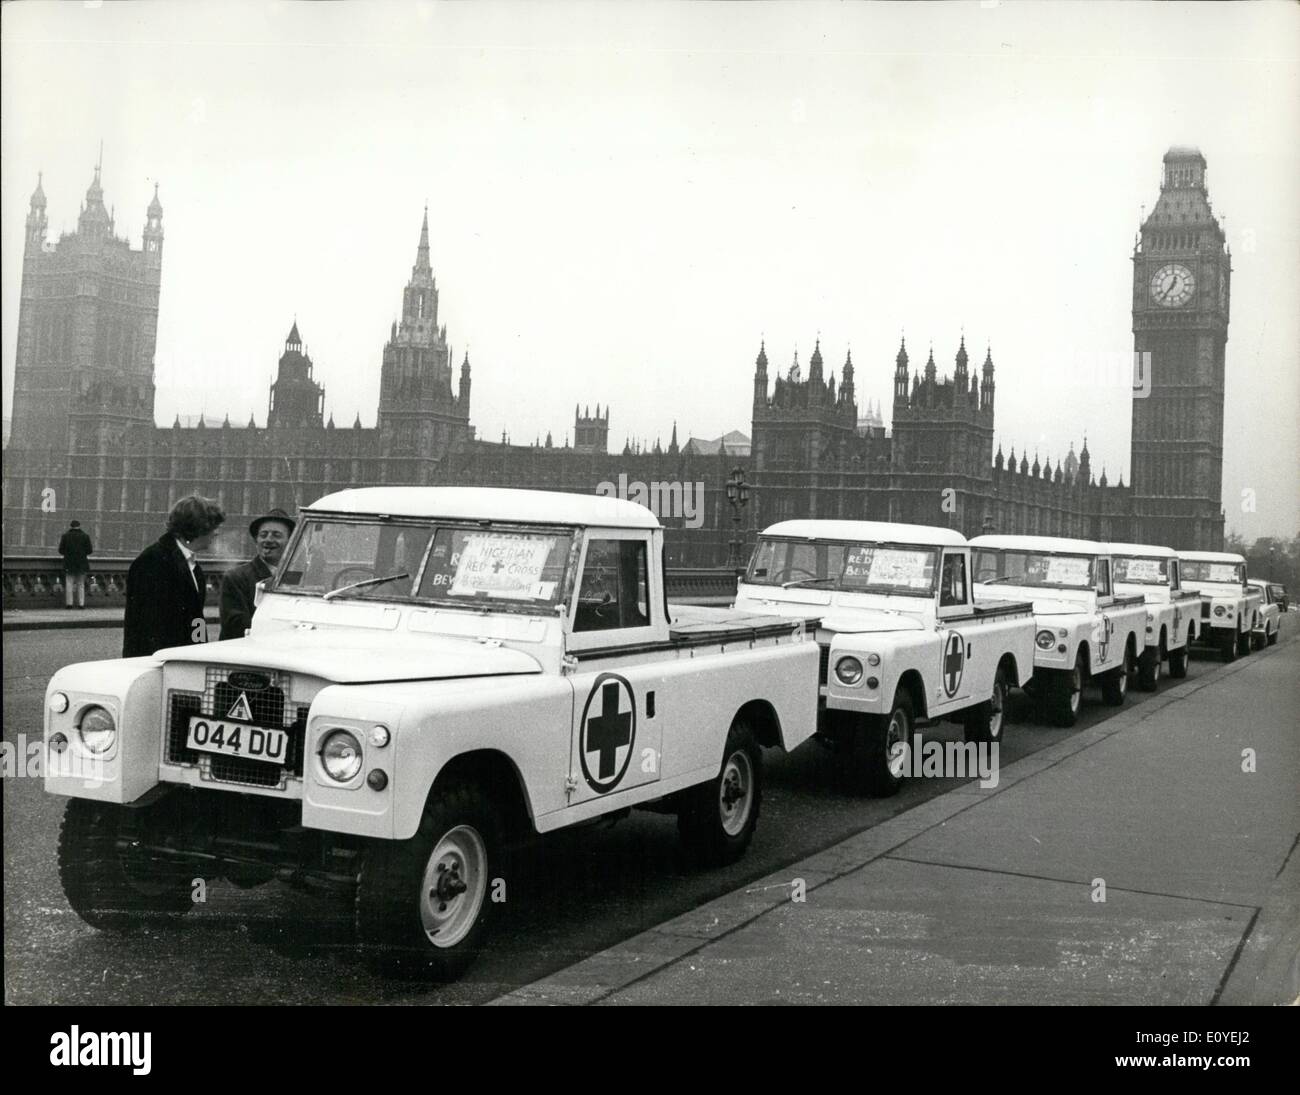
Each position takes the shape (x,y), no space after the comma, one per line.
(259,591)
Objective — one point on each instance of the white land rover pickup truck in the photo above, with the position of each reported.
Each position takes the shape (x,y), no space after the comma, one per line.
(901,639)
(1229,604)
(1086,630)
(1173,613)
(1270,614)
(431,675)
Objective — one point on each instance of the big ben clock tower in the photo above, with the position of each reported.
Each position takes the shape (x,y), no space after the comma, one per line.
(1181,288)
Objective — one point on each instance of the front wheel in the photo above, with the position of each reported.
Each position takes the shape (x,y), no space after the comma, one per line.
(716,820)
(108,881)
(1228,647)
(1149,666)
(986,721)
(1243,643)
(1065,693)
(423,905)
(878,755)
(1272,637)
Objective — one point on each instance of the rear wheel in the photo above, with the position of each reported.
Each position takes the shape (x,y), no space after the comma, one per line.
(716,820)
(108,881)
(1228,647)
(1178,663)
(423,905)
(987,719)
(1243,643)
(878,756)
(1114,685)
(1272,637)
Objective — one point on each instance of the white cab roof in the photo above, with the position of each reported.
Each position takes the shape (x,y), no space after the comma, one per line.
(871,532)
(1151,551)
(1211,556)
(489,504)
(1041,543)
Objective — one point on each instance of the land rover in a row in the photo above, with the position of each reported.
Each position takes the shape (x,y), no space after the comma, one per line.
(902,640)
(431,674)
(1229,604)
(1086,631)
(1173,613)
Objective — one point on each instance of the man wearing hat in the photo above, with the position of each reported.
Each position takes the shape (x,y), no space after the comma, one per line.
(270,533)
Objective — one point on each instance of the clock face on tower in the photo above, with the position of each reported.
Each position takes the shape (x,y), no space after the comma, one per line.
(1172,285)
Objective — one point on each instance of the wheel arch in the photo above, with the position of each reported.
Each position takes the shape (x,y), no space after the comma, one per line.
(764,721)
(1010,669)
(911,683)
(498,775)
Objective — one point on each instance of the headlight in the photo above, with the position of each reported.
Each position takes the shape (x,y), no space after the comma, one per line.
(1219,610)
(340,754)
(97,729)
(59,702)
(848,670)
(1044,640)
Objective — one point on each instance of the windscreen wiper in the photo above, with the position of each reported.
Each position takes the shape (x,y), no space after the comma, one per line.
(358,585)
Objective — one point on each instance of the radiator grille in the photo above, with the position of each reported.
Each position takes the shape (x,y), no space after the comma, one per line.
(269,706)
(823,664)
(1205,610)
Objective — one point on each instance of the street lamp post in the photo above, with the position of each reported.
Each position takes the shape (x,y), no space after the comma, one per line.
(737,499)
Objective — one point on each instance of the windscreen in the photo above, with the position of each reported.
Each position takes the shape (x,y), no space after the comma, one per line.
(1034,568)
(331,555)
(383,560)
(1194,570)
(1142,570)
(849,566)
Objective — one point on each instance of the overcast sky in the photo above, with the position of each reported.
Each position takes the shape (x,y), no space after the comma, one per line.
(623,199)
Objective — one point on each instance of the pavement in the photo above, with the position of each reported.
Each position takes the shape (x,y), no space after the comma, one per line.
(1148,859)
(43,619)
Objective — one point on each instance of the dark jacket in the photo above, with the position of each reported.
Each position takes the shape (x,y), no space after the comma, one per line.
(162,604)
(237,589)
(76,549)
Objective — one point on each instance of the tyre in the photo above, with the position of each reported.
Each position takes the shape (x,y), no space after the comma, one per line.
(423,907)
(1114,685)
(878,756)
(1149,666)
(716,820)
(1272,636)
(1065,693)
(1178,663)
(986,721)
(108,882)
(1228,647)
(1259,639)
(1243,643)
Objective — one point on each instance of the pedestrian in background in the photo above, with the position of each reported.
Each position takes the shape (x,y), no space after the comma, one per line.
(270,533)
(165,587)
(76,549)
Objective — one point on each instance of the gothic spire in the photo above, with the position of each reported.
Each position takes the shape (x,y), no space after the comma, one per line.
(422,252)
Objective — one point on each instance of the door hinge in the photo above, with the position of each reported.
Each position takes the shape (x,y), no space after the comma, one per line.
(568,665)
(570,785)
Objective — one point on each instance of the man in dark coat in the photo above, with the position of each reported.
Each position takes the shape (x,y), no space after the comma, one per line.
(165,587)
(76,549)
(270,533)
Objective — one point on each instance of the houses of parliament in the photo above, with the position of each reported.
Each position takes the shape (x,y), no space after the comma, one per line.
(84,443)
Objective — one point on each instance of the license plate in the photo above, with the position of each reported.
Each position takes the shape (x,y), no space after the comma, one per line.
(237,739)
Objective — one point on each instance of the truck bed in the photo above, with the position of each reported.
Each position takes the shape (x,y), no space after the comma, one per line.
(697,624)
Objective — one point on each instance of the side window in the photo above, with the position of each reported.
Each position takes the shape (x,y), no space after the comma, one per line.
(952,587)
(613,593)
(1103,577)
(1175,575)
